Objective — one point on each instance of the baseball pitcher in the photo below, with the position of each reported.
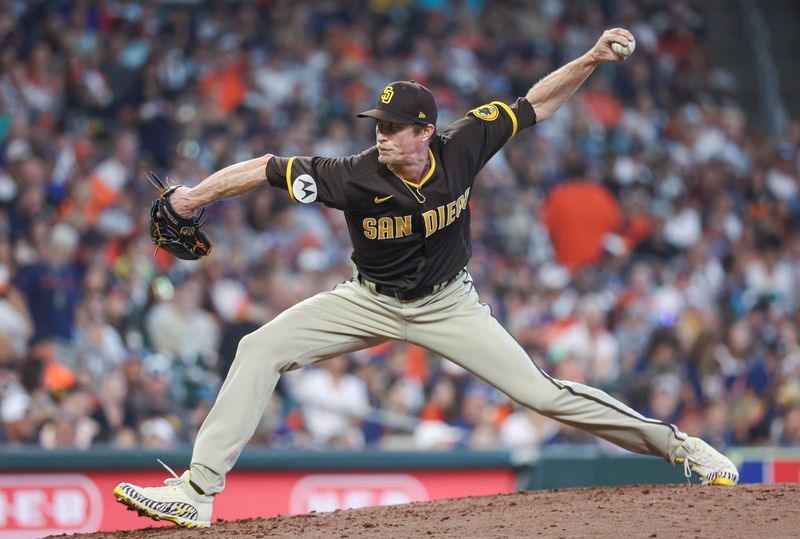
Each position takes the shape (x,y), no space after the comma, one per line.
(406,201)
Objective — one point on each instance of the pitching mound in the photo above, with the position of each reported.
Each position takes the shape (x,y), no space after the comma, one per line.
(635,511)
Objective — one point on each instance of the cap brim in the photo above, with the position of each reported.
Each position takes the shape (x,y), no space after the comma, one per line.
(386,116)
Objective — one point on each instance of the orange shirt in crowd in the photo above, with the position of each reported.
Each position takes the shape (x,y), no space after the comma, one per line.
(604,108)
(226,86)
(86,201)
(578,215)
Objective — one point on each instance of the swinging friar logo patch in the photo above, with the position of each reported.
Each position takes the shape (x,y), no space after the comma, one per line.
(304,189)
(487,112)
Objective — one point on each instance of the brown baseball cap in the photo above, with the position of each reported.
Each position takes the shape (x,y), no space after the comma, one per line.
(404,102)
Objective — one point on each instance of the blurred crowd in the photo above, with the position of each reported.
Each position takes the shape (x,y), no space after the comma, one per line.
(642,240)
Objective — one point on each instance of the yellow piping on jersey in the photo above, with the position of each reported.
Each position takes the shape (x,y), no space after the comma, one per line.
(427,176)
(510,115)
(289,177)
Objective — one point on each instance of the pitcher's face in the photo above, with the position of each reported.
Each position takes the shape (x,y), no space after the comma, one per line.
(399,144)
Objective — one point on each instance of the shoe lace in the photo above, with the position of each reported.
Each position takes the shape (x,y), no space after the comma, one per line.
(171,481)
(687,470)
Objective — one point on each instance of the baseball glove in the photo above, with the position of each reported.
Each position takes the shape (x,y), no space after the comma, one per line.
(180,236)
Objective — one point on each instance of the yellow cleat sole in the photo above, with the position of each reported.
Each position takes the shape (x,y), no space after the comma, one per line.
(144,512)
(722,482)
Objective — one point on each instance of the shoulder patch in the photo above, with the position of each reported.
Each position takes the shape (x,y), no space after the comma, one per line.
(487,112)
(304,189)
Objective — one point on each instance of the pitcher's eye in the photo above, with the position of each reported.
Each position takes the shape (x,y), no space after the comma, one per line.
(388,128)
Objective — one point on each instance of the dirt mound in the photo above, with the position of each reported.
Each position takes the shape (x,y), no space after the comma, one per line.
(634,511)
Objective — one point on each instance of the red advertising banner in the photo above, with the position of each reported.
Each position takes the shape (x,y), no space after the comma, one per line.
(786,471)
(37,505)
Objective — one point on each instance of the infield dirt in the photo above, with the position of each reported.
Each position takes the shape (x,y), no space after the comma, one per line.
(635,511)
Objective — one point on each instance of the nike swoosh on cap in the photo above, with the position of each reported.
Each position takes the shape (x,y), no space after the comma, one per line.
(379,200)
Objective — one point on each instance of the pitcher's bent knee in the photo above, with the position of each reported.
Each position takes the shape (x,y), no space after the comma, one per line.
(538,399)
(261,348)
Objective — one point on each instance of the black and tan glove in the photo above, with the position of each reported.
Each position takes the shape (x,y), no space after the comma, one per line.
(180,236)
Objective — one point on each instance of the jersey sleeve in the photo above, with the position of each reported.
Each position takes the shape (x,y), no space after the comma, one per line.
(312,179)
(485,129)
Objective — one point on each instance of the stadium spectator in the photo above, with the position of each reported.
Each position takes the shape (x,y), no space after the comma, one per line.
(333,403)
(181,328)
(52,287)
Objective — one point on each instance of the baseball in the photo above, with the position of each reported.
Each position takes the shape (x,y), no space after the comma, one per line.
(624,51)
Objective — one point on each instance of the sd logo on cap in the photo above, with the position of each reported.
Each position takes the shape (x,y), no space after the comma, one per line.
(404,102)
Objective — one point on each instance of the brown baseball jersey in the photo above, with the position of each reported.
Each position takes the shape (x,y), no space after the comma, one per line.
(407,236)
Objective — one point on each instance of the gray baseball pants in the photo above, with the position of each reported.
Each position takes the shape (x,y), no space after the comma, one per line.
(450,322)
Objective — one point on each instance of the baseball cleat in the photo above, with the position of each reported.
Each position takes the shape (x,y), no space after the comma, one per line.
(710,465)
(177,501)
